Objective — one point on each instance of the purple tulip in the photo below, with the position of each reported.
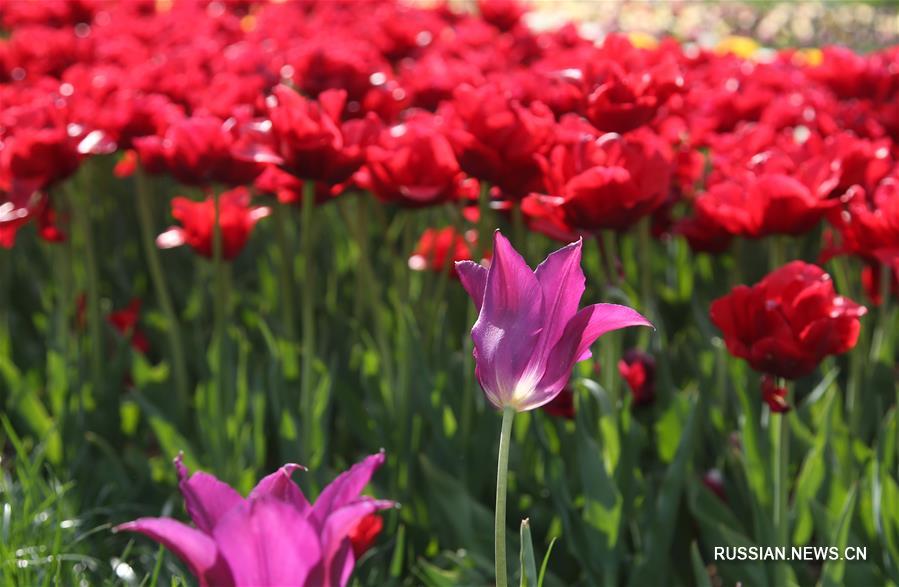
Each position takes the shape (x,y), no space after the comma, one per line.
(529,333)
(274,536)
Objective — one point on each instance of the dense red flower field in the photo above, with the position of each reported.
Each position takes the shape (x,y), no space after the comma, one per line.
(326,163)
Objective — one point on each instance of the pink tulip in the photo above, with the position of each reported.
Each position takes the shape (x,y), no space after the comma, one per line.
(274,536)
(529,333)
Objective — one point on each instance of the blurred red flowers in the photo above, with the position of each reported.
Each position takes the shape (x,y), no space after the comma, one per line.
(638,369)
(306,137)
(774,395)
(413,164)
(236,218)
(600,181)
(785,324)
(438,250)
(498,140)
(561,406)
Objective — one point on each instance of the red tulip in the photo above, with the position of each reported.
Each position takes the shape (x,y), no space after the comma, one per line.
(438,250)
(363,536)
(503,14)
(197,151)
(561,406)
(306,138)
(754,207)
(125,322)
(788,322)
(638,370)
(714,481)
(236,218)
(774,395)
(413,164)
(498,140)
(605,182)
(869,229)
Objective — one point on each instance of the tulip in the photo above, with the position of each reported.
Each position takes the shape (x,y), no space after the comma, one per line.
(306,138)
(125,321)
(638,370)
(503,14)
(197,151)
(413,164)
(601,182)
(437,247)
(236,219)
(788,322)
(364,534)
(529,332)
(561,406)
(274,536)
(869,229)
(527,338)
(774,395)
(714,482)
(784,326)
(497,139)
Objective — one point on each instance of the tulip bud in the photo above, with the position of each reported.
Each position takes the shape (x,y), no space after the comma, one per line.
(638,370)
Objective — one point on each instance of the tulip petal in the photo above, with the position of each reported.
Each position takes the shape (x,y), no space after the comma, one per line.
(267,541)
(474,279)
(508,327)
(337,551)
(173,237)
(582,331)
(280,485)
(345,488)
(196,549)
(206,499)
(562,281)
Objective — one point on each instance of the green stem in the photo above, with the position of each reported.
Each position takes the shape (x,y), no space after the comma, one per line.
(220,309)
(157,275)
(81,208)
(518,229)
(5,292)
(308,244)
(781,491)
(364,281)
(62,261)
(777,252)
(644,245)
(883,312)
(502,474)
(605,240)
(484,232)
(285,267)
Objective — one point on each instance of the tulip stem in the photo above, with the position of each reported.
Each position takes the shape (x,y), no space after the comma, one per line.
(502,474)
(308,314)
(781,491)
(157,275)
(81,206)
(5,293)
(644,245)
(286,269)
(217,397)
(483,221)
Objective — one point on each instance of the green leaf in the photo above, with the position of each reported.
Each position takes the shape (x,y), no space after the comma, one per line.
(811,477)
(545,562)
(834,570)
(652,568)
(528,563)
(602,503)
(700,573)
